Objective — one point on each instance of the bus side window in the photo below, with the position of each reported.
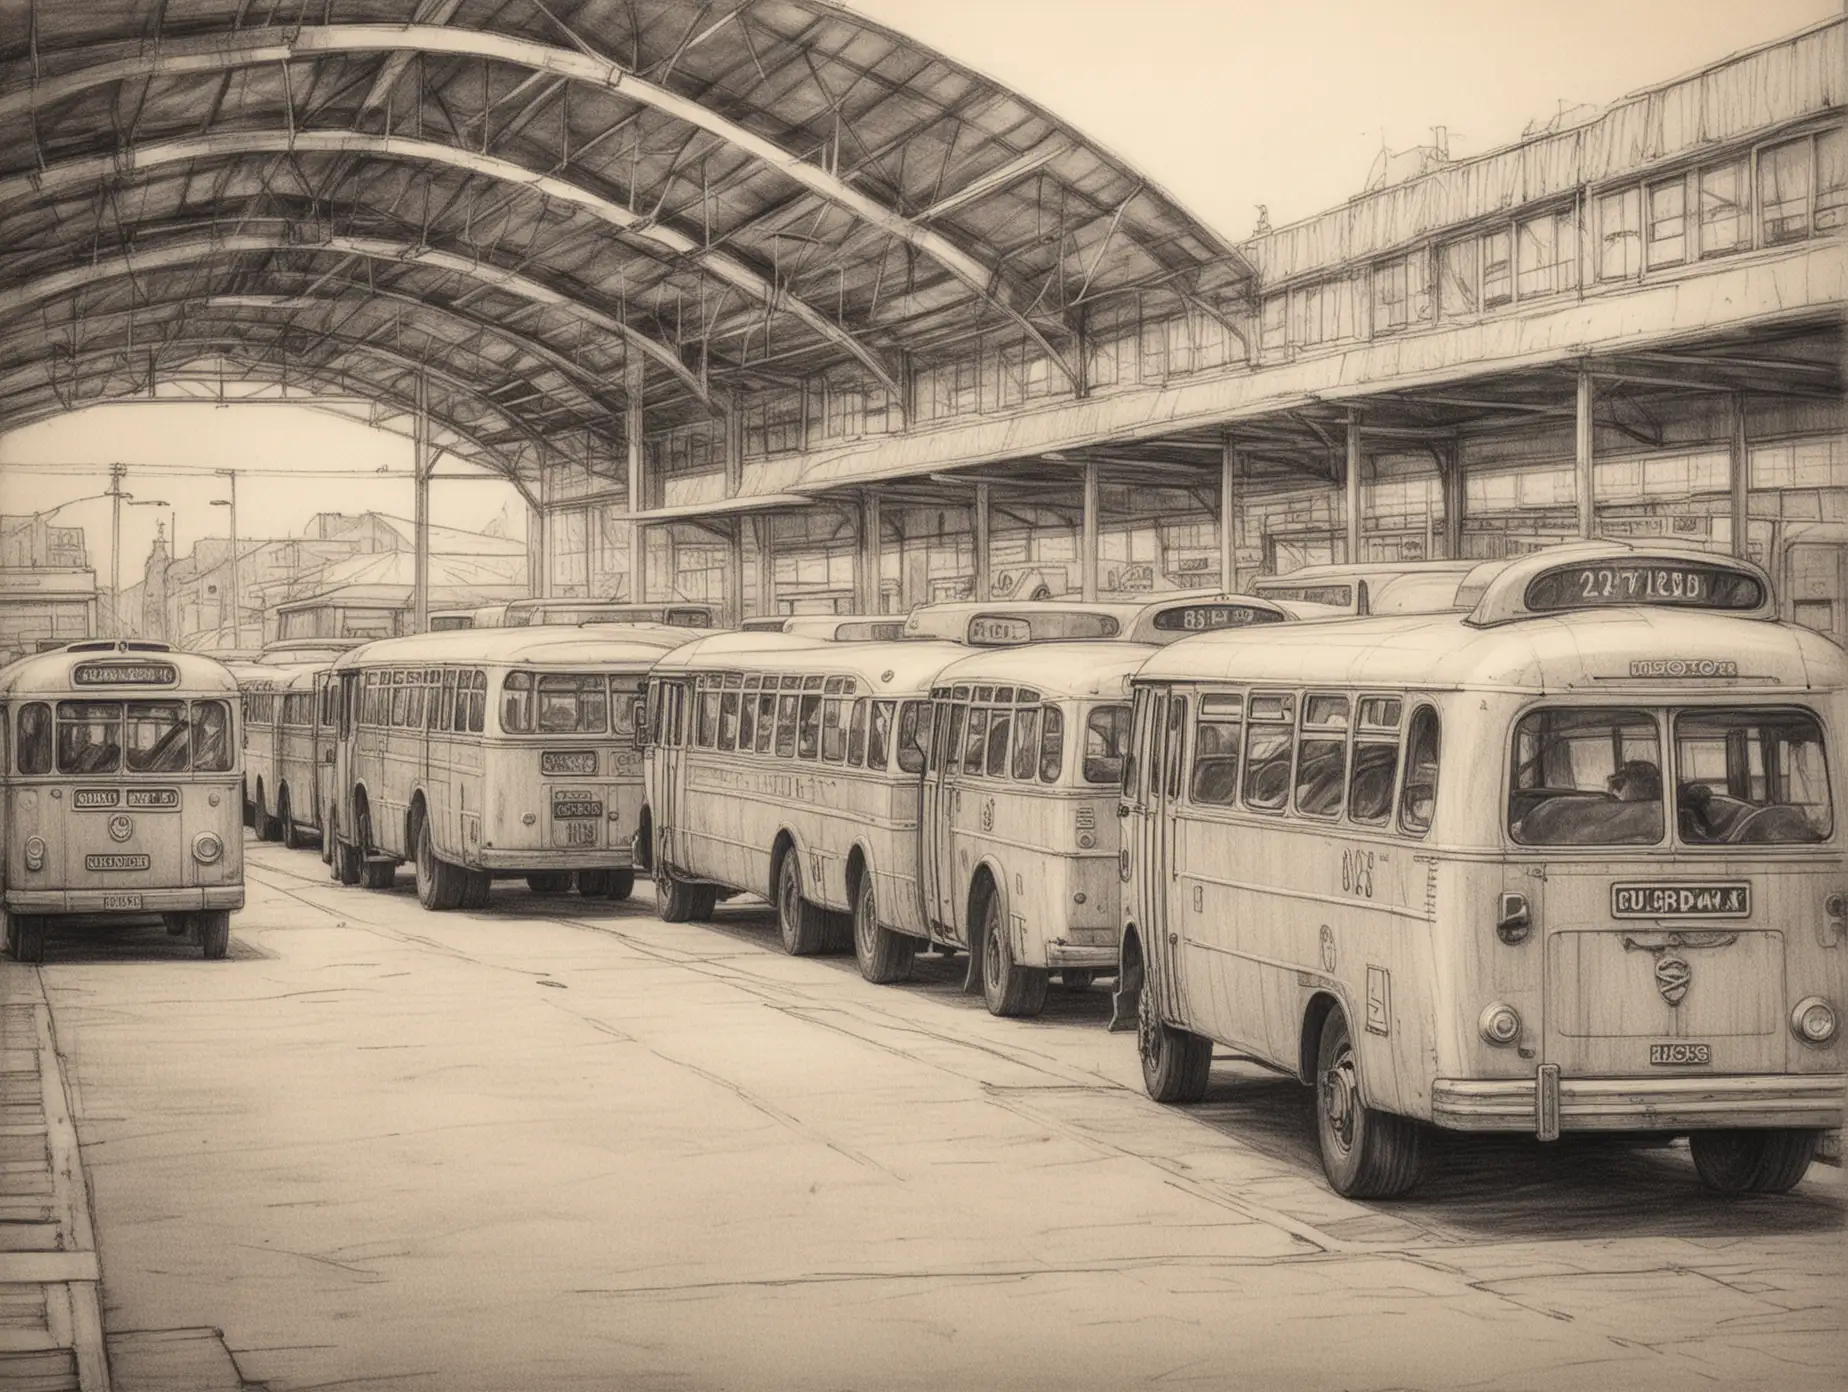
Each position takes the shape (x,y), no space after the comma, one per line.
(400,699)
(1000,725)
(1321,756)
(211,736)
(35,737)
(517,703)
(747,716)
(1106,739)
(1216,741)
(856,734)
(1026,744)
(1177,744)
(913,735)
(1376,760)
(786,725)
(477,700)
(1419,798)
(766,715)
(975,744)
(953,737)
(879,734)
(808,727)
(1270,738)
(1052,743)
(833,735)
(709,714)
(728,721)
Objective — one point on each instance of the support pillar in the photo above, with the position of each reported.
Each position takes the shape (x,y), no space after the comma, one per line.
(1088,545)
(635,382)
(1228,516)
(1739,474)
(982,522)
(734,575)
(1450,473)
(1582,457)
(867,572)
(420,510)
(766,565)
(1351,480)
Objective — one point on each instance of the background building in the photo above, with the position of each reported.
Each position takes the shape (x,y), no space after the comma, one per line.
(47,589)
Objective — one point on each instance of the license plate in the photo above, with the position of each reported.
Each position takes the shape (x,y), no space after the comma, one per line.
(122,901)
(580,833)
(1680,1055)
(1681,899)
(115,862)
(574,811)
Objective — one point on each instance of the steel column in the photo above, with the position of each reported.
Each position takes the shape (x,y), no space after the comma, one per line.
(1351,481)
(1455,498)
(871,552)
(1087,550)
(734,574)
(1739,475)
(1582,456)
(635,380)
(981,521)
(1228,516)
(420,509)
(766,565)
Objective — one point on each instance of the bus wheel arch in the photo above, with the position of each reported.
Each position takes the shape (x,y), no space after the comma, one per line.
(1010,988)
(883,956)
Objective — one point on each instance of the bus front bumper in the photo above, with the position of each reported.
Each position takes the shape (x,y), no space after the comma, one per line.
(90,901)
(1550,1104)
(538,859)
(1064,954)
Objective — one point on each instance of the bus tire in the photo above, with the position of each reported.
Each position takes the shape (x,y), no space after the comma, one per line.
(348,862)
(1077,978)
(1366,1154)
(28,936)
(266,826)
(177,924)
(439,884)
(1175,1062)
(1770,1161)
(9,930)
(676,900)
(885,957)
(1009,989)
(377,874)
(476,886)
(549,881)
(292,839)
(214,927)
(621,884)
(802,927)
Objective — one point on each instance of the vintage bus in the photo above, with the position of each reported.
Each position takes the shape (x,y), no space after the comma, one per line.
(121,787)
(280,757)
(1567,861)
(791,768)
(1018,852)
(525,613)
(993,624)
(477,755)
(832,628)
(1370,587)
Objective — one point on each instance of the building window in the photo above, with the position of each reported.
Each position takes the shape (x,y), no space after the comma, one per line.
(1273,324)
(1401,292)
(1497,268)
(1544,248)
(1326,311)
(1831,180)
(1725,209)
(1458,264)
(1026,374)
(1620,234)
(773,424)
(1668,224)
(1784,192)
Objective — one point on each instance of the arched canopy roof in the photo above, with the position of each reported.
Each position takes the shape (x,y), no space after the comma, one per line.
(533,204)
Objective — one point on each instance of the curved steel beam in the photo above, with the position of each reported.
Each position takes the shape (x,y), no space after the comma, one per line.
(223,52)
(659,238)
(183,250)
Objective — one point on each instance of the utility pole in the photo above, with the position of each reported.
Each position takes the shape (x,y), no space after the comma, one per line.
(237,613)
(116,474)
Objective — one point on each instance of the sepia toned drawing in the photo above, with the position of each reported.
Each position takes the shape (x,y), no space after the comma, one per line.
(780,694)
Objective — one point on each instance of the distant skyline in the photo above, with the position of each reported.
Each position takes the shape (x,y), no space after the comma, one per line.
(1224,103)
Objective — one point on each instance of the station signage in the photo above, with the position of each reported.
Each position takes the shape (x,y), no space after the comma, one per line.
(1675,584)
(125,674)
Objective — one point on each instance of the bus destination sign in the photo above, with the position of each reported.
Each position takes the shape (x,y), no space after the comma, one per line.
(125,674)
(1204,618)
(1682,899)
(1675,584)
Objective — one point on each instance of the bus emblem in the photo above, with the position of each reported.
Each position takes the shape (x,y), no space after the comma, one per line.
(120,828)
(1673,976)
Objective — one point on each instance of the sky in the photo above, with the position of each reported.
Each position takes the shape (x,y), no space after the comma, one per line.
(1226,104)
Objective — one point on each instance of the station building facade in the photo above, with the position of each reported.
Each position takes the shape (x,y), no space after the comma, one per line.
(1625,326)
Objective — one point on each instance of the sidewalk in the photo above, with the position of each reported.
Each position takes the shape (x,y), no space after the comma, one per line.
(51,1332)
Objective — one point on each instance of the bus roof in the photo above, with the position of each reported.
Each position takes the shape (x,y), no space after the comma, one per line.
(1062,669)
(278,675)
(552,644)
(903,666)
(687,614)
(835,628)
(1340,587)
(1157,619)
(1617,651)
(56,672)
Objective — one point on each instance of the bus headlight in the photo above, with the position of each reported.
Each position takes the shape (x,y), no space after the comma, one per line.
(207,847)
(1499,1023)
(35,853)
(1813,1021)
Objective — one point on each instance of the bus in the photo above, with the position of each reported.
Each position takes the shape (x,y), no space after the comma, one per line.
(522,613)
(121,784)
(1566,861)
(833,628)
(1371,587)
(280,757)
(478,755)
(1018,849)
(791,768)
(993,624)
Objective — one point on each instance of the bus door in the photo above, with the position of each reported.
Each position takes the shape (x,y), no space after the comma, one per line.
(321,752)
(669,737)
(1162,730)
(346,752)
(933,828)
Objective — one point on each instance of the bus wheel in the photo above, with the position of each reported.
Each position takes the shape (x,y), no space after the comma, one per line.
(476,886)
(800,924)
(177,924)
(11,934)
(27,935)
(439,884)
(622,885)
(377,874)
(884,956)
(676,900)
(1077,978)
(1366,1154)
(347,862)
(1752,1162)
(285,818)
(593,884)
(1009,988)
(214,932)
(549,881)
(1175,1062)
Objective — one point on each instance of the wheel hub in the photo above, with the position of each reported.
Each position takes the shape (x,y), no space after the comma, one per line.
(1340,1099)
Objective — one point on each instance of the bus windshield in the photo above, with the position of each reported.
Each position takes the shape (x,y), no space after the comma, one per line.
(566,703)
(1750,776)
(161,737)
